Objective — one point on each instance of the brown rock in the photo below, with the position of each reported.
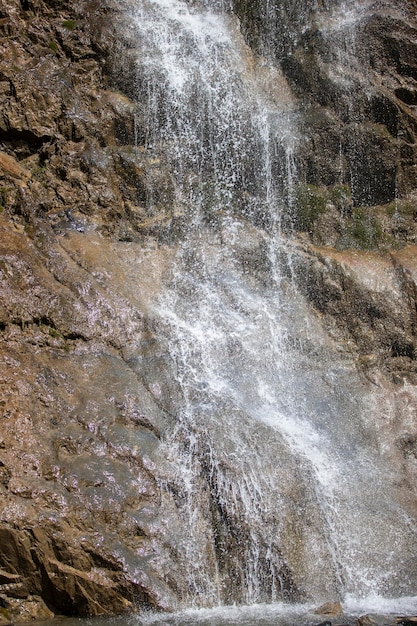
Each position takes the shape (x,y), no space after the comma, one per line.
(86,593)
(374,619)
(4,620)
(331,609)
(15,553)
(6,578)
(11,167)
(30,609)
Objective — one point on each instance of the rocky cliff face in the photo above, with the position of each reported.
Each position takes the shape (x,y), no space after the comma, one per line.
(76,500)
(89,520)
(354,74)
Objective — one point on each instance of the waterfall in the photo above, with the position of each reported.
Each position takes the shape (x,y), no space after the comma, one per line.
(278,477)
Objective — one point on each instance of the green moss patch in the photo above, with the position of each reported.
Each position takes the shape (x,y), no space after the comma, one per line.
(364,230)
(309,203)
(69,24)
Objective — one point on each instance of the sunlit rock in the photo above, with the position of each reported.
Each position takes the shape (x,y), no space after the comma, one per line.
(332,609)
(207,320)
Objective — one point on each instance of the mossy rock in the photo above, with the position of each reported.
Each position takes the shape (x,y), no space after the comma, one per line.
(362,231)
(69,24)
(52,45)
(341,196)
(402,207)
(309,203)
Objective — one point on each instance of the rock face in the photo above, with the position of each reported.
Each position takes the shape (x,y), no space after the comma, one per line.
(78,467)
(351,66)
(91,514)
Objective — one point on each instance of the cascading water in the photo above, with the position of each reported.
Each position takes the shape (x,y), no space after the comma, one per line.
(279,479)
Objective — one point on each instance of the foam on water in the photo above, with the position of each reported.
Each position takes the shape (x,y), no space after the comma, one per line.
(383,606)
(284,614)
(242,615)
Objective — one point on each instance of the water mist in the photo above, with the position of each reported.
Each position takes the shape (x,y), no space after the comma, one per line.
(279,479)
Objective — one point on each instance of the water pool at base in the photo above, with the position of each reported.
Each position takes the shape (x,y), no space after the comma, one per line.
(279,614)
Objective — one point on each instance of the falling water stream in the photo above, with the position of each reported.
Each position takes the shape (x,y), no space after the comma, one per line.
(279,482)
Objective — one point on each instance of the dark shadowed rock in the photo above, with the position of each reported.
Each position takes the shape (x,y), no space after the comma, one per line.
(373,619)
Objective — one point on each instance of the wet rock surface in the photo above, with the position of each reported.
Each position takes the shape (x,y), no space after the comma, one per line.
(90,509)
(78,485)
(331,609)
(353,73)
(80,503)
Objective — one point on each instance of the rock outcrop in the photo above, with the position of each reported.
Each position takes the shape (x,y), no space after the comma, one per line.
(89,520)
(352,69)
(70,533)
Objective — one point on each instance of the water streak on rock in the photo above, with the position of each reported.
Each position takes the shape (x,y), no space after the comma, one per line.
(279,473)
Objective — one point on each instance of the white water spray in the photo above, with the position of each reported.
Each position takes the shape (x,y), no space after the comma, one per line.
(280,484)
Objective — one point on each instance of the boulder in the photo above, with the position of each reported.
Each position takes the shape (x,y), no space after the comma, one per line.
(374,619)
(29,609)
(331,609)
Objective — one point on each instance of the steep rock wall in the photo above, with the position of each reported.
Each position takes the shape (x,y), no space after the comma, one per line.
(75,515)
(351,65)
(88,523)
